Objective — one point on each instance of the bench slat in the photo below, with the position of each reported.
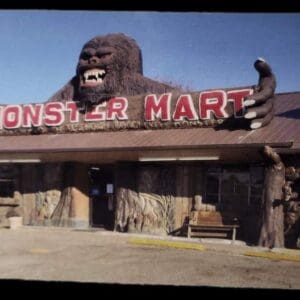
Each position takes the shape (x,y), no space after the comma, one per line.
(213,226)
(206,234)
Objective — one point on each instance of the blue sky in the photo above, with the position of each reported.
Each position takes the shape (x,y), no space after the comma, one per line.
(39,48)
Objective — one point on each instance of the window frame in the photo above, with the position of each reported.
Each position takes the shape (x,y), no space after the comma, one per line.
(219,170)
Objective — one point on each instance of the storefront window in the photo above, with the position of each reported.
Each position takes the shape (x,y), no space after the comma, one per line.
(234,186)
(257,180)
(7,182)
(7,188)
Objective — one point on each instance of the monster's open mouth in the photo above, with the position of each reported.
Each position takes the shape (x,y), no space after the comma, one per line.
(92,77)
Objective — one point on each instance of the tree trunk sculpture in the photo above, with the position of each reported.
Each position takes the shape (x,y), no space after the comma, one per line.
(145,204)
(272,232)
(292,207)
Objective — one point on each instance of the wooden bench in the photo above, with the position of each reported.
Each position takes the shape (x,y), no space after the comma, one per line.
(212,224)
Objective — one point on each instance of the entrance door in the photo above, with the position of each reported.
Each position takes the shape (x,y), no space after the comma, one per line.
(101,196)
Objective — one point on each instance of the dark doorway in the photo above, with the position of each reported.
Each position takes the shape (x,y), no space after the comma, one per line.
(102,196)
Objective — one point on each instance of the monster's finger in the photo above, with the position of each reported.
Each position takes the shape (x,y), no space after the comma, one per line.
(257,123)
(259,111)
(262,67)
(260,97)
(266,84)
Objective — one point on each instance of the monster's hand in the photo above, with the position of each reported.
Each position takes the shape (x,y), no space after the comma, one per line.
(260,105)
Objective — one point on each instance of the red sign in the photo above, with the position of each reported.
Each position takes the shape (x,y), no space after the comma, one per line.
(209,103)
(163,108)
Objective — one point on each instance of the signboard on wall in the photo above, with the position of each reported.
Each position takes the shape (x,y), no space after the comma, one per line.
(170,110)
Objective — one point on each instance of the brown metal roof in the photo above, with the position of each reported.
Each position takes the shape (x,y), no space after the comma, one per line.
(283,131)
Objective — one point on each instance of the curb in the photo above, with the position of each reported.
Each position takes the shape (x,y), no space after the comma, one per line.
(168,244)
(277,255)
(39,251)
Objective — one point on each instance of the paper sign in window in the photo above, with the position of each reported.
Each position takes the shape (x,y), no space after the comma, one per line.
(109,188)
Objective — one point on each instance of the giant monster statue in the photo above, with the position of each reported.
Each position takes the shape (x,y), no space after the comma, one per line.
(111,65)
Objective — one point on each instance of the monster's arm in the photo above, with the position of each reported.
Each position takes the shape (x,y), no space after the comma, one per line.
(259,105)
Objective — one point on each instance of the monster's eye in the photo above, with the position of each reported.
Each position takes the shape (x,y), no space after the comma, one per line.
(85,55)
(103,54)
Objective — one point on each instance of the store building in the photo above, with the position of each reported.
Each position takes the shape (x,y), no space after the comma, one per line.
(123,169)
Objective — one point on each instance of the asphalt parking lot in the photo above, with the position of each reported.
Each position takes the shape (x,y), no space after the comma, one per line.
(65,254)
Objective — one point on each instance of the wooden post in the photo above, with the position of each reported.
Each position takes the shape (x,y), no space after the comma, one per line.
(63,211)
(29,188)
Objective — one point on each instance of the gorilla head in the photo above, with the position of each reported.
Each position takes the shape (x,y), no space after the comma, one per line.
(105,64)
(109,66)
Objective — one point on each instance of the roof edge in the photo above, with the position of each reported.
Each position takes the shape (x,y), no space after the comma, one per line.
(278,146)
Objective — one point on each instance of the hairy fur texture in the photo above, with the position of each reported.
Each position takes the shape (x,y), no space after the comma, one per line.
(109,66)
